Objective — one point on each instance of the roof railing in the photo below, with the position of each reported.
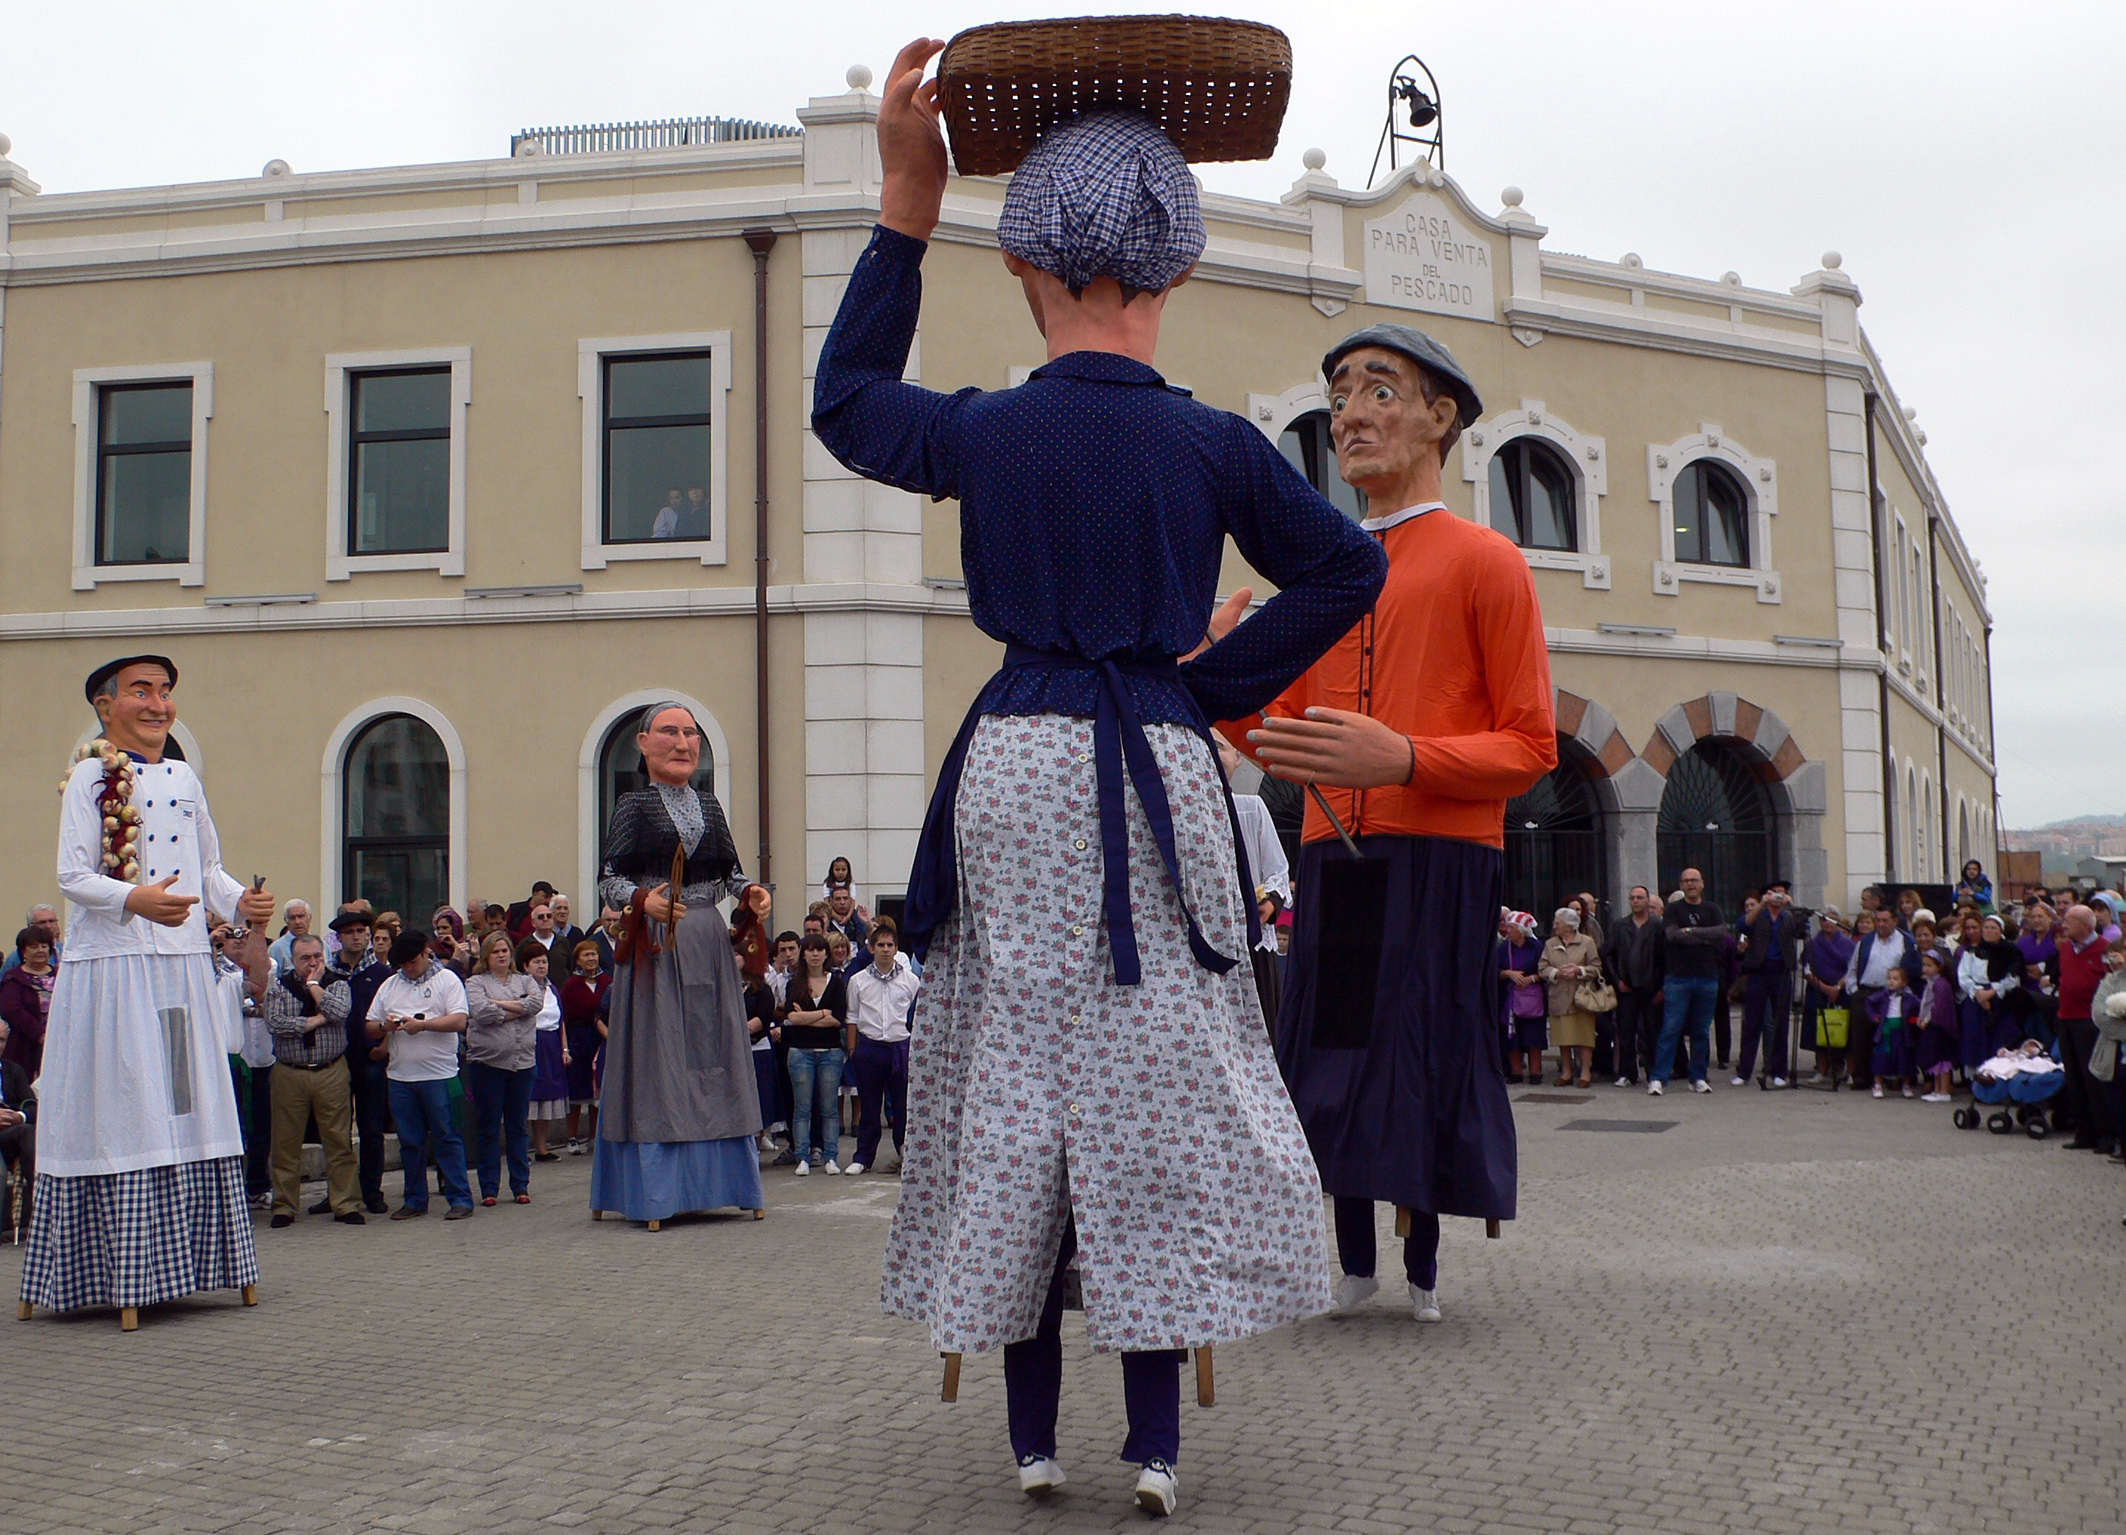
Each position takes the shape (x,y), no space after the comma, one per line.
(664,133)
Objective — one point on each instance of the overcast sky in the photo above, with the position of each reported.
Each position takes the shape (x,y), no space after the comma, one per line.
(1967,171)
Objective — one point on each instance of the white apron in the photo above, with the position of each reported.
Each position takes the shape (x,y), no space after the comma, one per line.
(135,1070)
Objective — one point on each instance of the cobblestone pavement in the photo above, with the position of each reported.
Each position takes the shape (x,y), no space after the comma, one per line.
(1788,1312)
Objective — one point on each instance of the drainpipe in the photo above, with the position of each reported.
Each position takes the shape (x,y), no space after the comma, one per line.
(1941,692)
(1882,642)
(760,242)
(1992,748)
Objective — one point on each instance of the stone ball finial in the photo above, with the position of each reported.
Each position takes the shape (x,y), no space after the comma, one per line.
(859,77)
(1511,197)
(1922,438)
(276,168)
(1732,279)
(6,144)
(527,148)
(1632,259)
(1911,412)
(1832,261)
(1314,159)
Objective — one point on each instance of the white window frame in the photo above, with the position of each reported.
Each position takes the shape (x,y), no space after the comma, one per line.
(590,387)
(339,404)
(1760,483)
(1900,540)
(88,394)
(333,832)
(1588,460)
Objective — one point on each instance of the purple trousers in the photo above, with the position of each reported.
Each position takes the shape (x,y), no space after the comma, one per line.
(1033,1384)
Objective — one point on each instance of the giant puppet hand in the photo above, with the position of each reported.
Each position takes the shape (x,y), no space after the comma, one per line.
(159,904)
(1223,622)
(661,905)
(256,906)
(1334,747)
(911,144)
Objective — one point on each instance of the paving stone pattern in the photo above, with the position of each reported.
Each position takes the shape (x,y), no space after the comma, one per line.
(1791,1312)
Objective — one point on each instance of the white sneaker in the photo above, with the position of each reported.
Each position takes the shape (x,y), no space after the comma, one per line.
(854,1169)
(1735,1082)
(1624,1081)
(1653,1088)
(1875,1091)
(1039,1476)
(829,1169)
(1933,1097)
(1424,1304)
(1779,1081)
(1906,1091)
(1158,1491)
(803,1169)
(1354,1290)
(1701,1086)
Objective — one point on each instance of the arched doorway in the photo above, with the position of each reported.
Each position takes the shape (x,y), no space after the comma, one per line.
(1554,842)
(1716,817)
(395,819)
(1306,445)
(620,771)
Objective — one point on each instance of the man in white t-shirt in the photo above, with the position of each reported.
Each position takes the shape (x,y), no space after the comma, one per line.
(420,1010)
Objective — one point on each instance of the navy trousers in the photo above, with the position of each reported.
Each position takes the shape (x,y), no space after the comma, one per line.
(372,1108)
(1033,1385)
(1766,1000)
(1356,1246)
(881,1074)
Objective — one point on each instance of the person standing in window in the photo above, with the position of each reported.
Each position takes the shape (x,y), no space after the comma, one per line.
(678,1110)
(666,523)
(814,1018)
(694,516)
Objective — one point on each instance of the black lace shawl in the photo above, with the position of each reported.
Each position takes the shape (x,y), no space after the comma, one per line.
(642,839)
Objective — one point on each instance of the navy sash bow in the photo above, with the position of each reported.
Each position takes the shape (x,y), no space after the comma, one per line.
(1119,743)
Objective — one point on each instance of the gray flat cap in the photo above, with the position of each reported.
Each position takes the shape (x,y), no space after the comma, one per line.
(1420,349)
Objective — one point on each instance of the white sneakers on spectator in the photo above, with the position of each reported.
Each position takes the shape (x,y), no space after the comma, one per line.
(1157,1489)
(803,1169)
(1779,1081)
(1933,1097)
(1039,1475)
(1626,1082)
(829,1168)
(1424,1304)
(1702,1086)
(1875,1091)
(1653,1088)
(854,1169)
(1735,1082)
(1354,1290)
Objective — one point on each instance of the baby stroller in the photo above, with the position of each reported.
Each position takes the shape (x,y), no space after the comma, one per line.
(2017,1098)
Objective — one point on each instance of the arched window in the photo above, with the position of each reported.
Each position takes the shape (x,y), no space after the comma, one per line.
(1532,478)
(1553,842)
(620,771)
(1306,445)
(1912,843)
(1963,838)
(1712,516)
(395,818)
(1716,817)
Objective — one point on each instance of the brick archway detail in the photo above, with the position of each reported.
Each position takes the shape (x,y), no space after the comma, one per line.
(1602,750)
(1762,736)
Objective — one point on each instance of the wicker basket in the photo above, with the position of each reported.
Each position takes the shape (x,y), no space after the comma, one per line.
(1217,87)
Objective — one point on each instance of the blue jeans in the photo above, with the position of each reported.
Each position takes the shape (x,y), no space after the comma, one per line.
(501,1101)
(422,1113)
(816,1077)
(1690,1003)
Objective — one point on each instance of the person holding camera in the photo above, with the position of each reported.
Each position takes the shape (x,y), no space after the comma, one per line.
(419,1012)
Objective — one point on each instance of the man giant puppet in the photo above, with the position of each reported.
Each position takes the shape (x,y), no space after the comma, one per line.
(1426,718)
(140,1176)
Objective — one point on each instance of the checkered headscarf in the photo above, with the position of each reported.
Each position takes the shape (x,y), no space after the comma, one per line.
(1104,195)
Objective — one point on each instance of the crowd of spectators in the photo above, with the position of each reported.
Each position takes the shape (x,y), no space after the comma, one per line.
(476,1040)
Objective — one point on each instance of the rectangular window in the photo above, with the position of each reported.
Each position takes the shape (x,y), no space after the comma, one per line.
(144,473)
(659,468)
(398,462)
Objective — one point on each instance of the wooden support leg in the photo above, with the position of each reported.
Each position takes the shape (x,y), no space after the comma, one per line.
(1206,1390)
(760,1215)
(1491,1230)
(23,1311)
(597,1215)
(250,1294)
(951,1393)
(1402,1223)
(128,1319)
(656,1225)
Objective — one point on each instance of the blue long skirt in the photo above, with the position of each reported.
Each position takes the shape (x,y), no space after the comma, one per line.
(656,1180)
(1415,1112)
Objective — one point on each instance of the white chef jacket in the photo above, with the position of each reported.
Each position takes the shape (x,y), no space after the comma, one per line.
(135,1069)
(177,835)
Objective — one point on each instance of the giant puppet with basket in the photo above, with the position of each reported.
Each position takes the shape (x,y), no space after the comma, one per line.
(1094,1107)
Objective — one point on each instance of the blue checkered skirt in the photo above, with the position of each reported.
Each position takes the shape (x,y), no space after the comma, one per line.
(139,1238)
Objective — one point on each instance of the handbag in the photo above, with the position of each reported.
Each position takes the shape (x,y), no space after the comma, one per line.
(1596,995)
(1832,1026)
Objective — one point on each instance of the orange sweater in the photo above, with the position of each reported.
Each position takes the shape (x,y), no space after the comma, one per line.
(1453,657)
